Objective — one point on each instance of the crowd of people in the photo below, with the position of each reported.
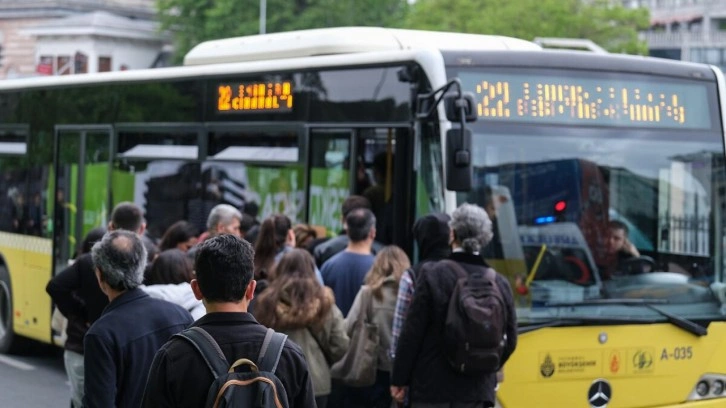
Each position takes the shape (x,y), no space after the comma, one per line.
(132,304)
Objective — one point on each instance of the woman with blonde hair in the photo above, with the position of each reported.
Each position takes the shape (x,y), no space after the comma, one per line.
(381,283)
(297,304)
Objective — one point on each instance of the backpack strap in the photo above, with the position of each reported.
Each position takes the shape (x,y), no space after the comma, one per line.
(491,275)
(271,350)
(207,348)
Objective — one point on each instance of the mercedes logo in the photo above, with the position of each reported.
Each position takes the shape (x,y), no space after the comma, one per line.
(599,393)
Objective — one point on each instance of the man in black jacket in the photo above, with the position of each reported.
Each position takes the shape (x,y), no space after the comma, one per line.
(78,297)
(420,362)
(179,377)
(120,346)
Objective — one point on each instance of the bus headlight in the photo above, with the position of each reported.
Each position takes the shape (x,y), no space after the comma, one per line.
(717,387)
(709,386)
(702,388)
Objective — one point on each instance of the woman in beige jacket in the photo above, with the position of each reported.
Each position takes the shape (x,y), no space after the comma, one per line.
(382,282)
(295,303)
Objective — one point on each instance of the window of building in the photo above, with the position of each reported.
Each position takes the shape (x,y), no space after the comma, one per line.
(104,64)
(64,65)
(45,65)
(81,63)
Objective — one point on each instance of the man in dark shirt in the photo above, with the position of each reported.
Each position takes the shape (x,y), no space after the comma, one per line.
(77,295)
(618,251)
(121,344)
(179,377)
(330,247)
(345,272)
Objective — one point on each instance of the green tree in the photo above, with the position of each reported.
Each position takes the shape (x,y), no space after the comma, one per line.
(194,21)
(605,22)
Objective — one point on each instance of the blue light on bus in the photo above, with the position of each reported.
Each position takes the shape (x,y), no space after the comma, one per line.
(544,220)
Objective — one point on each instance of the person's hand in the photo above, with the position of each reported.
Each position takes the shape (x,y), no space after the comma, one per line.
(398,393)
(630,248)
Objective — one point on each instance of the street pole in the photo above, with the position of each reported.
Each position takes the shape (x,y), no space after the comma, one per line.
(263,16)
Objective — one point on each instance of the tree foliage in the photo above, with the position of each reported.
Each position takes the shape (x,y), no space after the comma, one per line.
(194,21)
(605,22)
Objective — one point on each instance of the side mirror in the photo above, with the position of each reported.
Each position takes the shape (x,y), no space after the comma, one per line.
(453,104)
(459,170)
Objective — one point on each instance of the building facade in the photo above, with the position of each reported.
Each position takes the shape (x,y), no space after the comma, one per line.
(62,37)
(689,30)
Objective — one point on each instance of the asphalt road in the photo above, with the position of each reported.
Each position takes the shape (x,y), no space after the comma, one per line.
(34,379)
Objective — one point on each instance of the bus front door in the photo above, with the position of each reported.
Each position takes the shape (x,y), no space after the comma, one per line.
(373,162)
(81,187)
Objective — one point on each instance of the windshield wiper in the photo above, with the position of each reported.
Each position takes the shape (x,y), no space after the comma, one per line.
(579,321)
(685,324)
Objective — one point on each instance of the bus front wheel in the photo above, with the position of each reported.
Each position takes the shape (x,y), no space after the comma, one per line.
(6,312)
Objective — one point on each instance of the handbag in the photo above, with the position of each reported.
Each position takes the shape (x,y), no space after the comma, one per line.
(359,365)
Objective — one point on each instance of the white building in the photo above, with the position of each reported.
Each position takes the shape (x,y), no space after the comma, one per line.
(60,37)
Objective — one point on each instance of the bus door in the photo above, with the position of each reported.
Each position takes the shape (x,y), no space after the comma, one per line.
(81,180)
(330,178)
(372,162)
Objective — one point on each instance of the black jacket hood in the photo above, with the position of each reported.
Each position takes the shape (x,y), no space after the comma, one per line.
(432,235)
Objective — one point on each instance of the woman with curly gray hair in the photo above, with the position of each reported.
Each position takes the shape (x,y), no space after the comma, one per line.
(421,363)
(471,228)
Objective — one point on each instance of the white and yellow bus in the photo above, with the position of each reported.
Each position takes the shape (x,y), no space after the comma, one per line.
(563,143)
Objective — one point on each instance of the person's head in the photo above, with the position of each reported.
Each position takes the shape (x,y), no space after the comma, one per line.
(252,209)
(361,225)
(471,228)
(181,235)
(275,233)
(152,251)
(297,262)
(224,268)
(304,235)
(120,259)
(127,216)
(246,224)
(390,261)
(431,233)
(294,298)
(617,236)
(172,266)
(91,238)
(224,219)
(353,202)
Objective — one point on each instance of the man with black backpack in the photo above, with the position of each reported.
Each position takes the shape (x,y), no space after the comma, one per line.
(461,326)
(227,359)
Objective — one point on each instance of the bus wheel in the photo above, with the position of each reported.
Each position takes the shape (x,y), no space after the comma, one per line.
(6,312)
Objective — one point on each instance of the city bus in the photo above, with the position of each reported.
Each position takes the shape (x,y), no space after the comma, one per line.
(554,144)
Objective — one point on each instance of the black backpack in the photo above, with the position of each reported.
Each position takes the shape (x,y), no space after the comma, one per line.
(476,319)
(257,387)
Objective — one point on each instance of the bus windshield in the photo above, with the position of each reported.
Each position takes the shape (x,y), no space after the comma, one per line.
(600,186)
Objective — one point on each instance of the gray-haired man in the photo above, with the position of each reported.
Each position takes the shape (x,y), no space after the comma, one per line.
(120,346)
(224,219)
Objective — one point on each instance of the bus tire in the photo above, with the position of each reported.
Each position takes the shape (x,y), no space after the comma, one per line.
(8,340)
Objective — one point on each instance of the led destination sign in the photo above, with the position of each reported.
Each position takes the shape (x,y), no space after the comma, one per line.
(255,97)
(589,101)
